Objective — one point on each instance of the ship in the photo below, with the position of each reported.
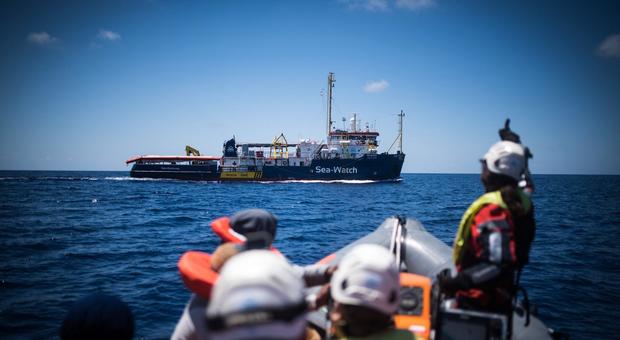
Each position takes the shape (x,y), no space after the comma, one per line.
(348,154)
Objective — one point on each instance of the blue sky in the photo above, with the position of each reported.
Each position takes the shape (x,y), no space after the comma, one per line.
(85,85)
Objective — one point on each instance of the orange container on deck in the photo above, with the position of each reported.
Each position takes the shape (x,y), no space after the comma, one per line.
(414,313)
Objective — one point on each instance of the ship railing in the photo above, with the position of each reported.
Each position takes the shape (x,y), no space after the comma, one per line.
(234,169)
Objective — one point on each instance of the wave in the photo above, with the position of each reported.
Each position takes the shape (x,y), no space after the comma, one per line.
(14,178)
(49,178)
(78,178)
(64,178)
(127,178)
(337,181)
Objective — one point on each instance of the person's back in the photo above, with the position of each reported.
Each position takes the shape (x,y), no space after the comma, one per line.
(255,224)
(98,316)
(258,296)
(494,236)
(365,290)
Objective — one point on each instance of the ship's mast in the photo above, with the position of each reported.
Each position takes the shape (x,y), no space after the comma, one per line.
(400,131)
(330,86)
(399,138)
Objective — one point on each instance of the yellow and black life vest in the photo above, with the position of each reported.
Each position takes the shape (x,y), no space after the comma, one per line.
(463,233)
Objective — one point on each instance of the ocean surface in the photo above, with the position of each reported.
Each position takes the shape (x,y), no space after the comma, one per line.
(64,235)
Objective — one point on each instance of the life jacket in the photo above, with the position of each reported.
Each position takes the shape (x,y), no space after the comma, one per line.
(487,235)
(464,232)
(195,266)
(221,227)
(196,272)
(327,259)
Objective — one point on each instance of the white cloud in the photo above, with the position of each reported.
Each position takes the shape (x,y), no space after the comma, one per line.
(108,35)
(610,47)
(376,86)
(414,5)
(42,38)
(368,5)
(385,5)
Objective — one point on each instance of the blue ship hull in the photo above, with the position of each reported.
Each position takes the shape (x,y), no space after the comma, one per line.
(379,167)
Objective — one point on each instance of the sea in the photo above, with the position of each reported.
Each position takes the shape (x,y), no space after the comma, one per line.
(64,235)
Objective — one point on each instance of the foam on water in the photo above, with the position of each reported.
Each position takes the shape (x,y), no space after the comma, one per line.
(309,181)
(128,178)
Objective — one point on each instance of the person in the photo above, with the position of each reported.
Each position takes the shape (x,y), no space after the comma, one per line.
(525,182)
(365,290)
(256,229)
(254,220)
(246,230)
(257,296)
(98,316)
(494,237)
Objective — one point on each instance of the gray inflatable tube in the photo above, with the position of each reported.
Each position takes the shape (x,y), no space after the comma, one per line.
(423,254)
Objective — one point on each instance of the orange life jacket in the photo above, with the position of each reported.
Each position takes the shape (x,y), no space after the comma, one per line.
(221,227)
(196,273)
(195,266)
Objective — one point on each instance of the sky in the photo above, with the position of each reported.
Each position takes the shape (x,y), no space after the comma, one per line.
(86,85)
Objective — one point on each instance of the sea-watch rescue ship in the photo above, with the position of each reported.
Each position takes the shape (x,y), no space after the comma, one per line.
(348,154)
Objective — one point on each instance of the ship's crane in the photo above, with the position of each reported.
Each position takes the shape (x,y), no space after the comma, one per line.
(191,151)
(279,147)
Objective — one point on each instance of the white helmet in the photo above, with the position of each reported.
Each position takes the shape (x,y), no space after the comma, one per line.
(506,158)
(367,276)
(257,295)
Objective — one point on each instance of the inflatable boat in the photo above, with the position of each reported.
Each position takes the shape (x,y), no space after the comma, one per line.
(423,311)
(421,257)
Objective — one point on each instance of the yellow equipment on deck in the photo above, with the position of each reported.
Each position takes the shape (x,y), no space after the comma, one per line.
(279,147)
(191,151)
